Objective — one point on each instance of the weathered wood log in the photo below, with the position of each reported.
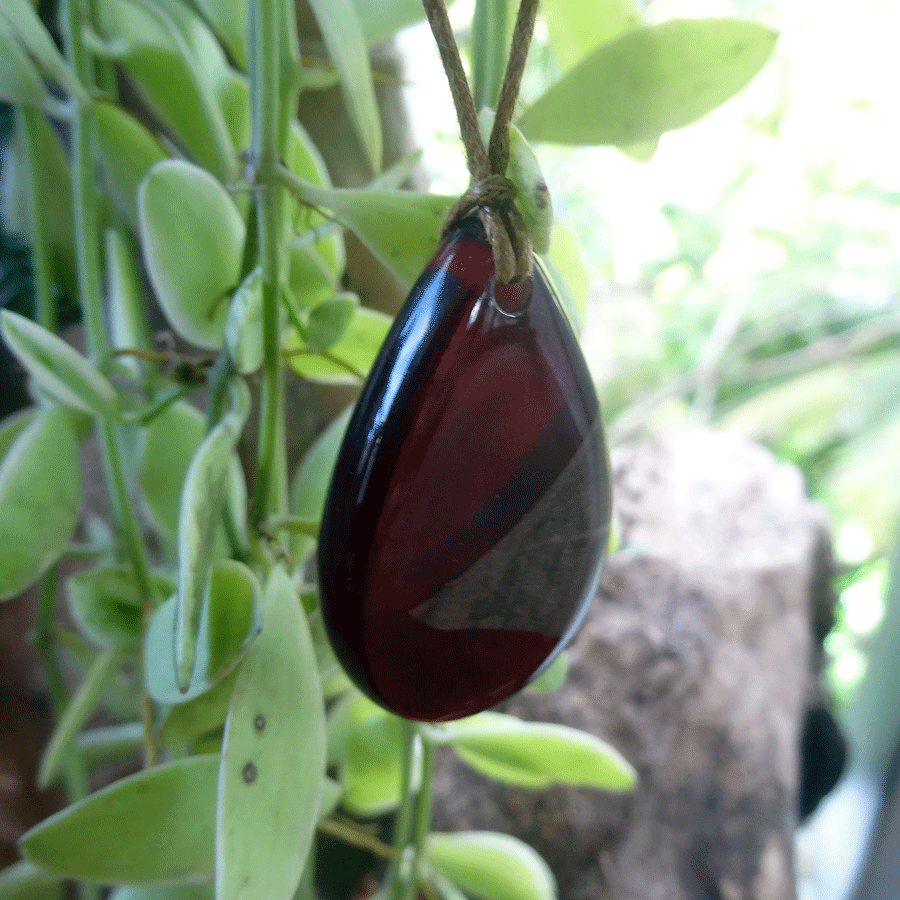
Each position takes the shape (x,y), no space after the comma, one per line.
(694,663)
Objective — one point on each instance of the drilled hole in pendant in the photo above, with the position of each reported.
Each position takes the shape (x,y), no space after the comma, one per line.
(512,299)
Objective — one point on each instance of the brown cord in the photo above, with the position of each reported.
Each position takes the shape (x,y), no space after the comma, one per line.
(498,148)
(491,192)
(466,114)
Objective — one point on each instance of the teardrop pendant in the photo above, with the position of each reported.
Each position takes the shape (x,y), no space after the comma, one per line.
(469,509)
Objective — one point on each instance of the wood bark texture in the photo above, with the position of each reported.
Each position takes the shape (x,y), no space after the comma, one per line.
(694,663)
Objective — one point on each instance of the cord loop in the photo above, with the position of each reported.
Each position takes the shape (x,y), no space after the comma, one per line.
(491,192)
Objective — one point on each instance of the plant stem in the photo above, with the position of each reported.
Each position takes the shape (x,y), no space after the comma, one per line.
(414,815)
(118,490)
(134,545)
(290,62)
(44,311)
(352,834)
(87,252)
(84,195)
(223,164)
(74,771)
(398,874)
(271,475)
(422,823)
(330,357)
(489,50)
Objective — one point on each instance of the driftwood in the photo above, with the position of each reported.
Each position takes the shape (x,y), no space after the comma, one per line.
(694,663)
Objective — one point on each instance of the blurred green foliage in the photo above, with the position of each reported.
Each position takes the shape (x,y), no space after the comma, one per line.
(747,277)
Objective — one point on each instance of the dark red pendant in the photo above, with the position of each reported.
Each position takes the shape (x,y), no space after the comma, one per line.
(469,510)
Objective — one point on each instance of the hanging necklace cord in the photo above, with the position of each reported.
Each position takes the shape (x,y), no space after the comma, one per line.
(491,192)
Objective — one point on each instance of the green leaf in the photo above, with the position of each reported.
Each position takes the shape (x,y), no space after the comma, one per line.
(295,525)
(168,892)
(400,173)
(54,194)
(537,754)
(186,722)
(444,887)
(310,279)
(310,485)
(127,27)
(317,78)
(155,827)
(532,198)
(200,511)
(22,21)
(331,797)
(358,349)
(305,161)
(576,27)
(643,151)
(346,47)
(100,746)
(314,265)
(491,865)
(650,81)
(274,737)
(176,97)
(16,184)
(107,605)
(379,19)
(328,322)
(401,228)
(23,880)
(128,320)
(229,620)
(77,713)
(372,769)
(180,70)
(171,440)
(806,406)
(552,677)
(228,19)
(20,81)
(232,607)
(565,271)
(193,240)
(58,368)
(243,327)
(127,153)
(334,680)
(37,513)
(12,426)
(233,97)
(337,729)
(864,480)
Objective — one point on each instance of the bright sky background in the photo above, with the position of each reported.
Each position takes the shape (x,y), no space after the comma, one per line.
(835,62)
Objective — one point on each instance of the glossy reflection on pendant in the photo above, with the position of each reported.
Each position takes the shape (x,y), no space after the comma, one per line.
(469,511)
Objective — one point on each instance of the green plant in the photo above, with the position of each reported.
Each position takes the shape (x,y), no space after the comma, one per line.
(231,691)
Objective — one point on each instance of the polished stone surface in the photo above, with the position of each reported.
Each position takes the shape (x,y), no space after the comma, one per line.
(469,511)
